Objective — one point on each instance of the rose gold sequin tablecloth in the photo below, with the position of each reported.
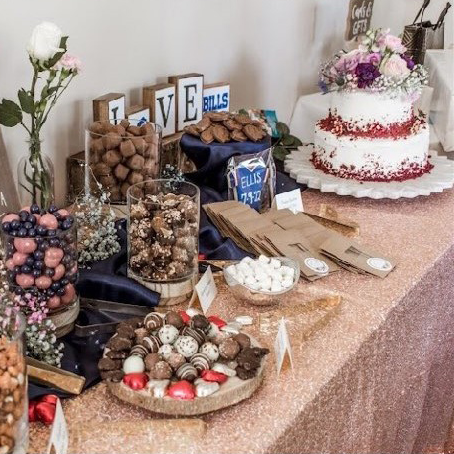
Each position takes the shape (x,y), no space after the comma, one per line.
(379,378)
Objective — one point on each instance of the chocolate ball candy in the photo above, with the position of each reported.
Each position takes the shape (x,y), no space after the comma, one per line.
(166,350)
(195,333)
(111,140)
(109,364)
(127,149)
(112,158)
(187,372)
(118,343)
(229,349)
(210,350)
(152,343)
(168,334)
(135,177)
(153,321)
(135,162)
(151,360)
(121,172)
(140,334)
(139,350)
(176,360)
(175,319)
(133,364)
(162,371)
(243,340)
(200,361)
(186,345)
(199,321)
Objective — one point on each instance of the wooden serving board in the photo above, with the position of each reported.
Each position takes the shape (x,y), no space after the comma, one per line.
(230,393)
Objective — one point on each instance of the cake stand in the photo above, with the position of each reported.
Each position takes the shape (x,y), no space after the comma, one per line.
(300,167)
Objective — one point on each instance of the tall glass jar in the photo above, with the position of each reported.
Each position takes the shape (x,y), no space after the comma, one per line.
(35,176)
(44,266)
(121,155)
(13,384)
(163,232)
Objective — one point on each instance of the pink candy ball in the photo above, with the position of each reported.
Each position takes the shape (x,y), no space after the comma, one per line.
(43,282)
(69,295)
(19,258)
(53,256)
(10,217)
(25,245)
(59,272)
(25,280)
(10,264)
(53,302)
(49,221)
(63,212)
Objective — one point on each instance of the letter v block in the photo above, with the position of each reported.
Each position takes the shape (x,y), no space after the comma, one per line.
(160,99)
(189,105)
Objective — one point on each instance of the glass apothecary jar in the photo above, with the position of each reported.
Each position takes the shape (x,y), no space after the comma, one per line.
(13,384)
(163,232)
(41,255)
(123,154)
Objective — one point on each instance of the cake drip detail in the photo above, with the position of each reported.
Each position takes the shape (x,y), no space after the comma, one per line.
(336,125)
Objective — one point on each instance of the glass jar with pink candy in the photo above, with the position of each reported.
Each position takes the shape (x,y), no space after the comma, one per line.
(41,259)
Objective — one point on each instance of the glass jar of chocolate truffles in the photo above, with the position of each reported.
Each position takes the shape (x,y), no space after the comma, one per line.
(122,154)
(163,230)
(41,254)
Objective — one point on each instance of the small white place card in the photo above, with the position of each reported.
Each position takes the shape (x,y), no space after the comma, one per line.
(291,200)
(59,438)
(282,348)
(206,290)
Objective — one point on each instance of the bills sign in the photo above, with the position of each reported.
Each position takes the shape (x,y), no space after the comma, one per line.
(216,97)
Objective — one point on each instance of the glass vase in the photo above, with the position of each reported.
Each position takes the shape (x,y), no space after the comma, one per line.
(121,155)
(35,177)
(163,234)
(13,384)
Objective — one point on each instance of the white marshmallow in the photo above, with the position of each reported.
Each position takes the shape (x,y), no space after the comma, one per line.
(250,280)
(287,282)
(265,284)
(231,269)
(247,260)
(254,286)
(276,286)
(275,263)
(263,259)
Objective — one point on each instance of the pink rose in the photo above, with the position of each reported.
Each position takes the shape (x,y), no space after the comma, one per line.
(395,66)
(394,44)
(374,58)
(70,62)
(348,62)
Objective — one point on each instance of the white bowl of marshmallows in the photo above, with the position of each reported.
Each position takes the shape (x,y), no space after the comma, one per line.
(262,281)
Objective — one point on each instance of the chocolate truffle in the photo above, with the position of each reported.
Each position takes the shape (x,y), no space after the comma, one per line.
(151,360)
(152,343)
(229,349)
(186,345)
(116,355)
(118,343)
(124,330)
(153,321)
(162,371)
(168,334)
(165,350)
(113,375)
(140,334)
(109,364)
(187,372)
(195,333)
(176,360)
(200,361)
(175,319)
(199,321)
(139,350)
(243,339)
(210,350)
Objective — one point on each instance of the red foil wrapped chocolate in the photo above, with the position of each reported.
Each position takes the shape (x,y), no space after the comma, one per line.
(212,375)
(182,390)
(217,321)
(136,381)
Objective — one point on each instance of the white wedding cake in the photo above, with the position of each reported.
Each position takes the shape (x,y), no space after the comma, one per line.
(371,132)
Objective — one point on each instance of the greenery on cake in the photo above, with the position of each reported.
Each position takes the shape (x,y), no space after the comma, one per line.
(379,65)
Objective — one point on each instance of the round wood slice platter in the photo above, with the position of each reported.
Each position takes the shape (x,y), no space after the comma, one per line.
(230,393)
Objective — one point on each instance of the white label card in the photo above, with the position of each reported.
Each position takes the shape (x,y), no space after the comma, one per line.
(59,438)
(117,110)
(206,290)
(291,200)
(282,346)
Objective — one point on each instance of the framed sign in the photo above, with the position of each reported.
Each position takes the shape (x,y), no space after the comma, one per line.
(9,200)
(359,18)
(110,107)
(160,99)
(216,97)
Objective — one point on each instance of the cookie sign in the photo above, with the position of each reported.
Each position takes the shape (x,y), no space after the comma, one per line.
(359,18)
(206,290)
(379,264)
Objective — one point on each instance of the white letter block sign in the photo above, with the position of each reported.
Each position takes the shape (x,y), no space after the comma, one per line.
(110,107)
(138,114)
(160,99)
(216,97)
(189,99)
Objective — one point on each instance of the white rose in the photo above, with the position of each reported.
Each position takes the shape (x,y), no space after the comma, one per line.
(45,41)
(395,66)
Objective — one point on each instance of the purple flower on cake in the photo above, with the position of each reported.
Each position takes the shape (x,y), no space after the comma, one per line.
(347,63)
(409,61)
(395,66)
(366,74)
(374,58)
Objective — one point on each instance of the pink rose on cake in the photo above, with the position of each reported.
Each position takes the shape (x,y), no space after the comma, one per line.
(394,44)
(348,62)
(395,67)
(374,58)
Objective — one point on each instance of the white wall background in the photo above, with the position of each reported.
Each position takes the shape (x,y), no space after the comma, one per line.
(269,50)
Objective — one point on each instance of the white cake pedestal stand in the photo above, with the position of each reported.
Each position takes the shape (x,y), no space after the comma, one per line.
(301,169)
